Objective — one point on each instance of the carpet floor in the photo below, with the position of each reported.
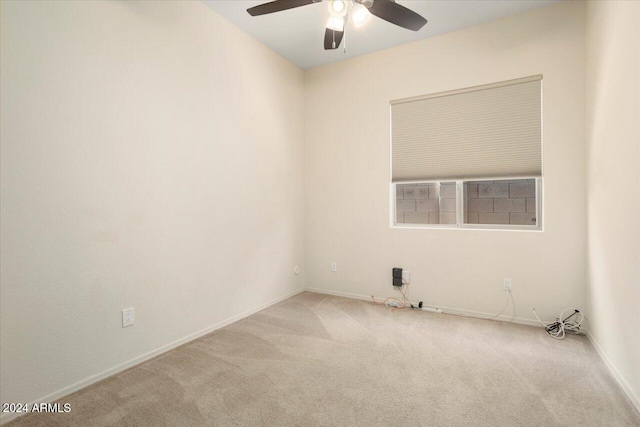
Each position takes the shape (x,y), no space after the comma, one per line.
(318,360)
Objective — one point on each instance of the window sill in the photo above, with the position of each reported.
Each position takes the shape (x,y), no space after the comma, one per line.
(468,227)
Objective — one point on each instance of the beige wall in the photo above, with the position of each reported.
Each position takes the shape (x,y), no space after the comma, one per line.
(613,135)
(347,170)
(127,127)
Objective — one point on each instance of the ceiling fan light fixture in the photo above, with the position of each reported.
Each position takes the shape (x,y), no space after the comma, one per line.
(334,34)
(338,8)
(360,15)
(335,24)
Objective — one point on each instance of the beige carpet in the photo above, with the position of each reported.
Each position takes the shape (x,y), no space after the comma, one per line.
(321,360)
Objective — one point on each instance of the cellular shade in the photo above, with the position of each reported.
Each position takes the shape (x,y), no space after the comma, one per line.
(488,131)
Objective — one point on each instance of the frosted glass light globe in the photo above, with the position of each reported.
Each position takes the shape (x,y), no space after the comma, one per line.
(337,8)
(360,15)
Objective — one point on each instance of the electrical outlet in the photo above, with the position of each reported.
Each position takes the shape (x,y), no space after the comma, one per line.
(506,285)
(128,317)
(406,276)
(334,266)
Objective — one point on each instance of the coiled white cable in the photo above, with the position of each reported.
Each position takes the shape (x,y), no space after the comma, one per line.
(563,325)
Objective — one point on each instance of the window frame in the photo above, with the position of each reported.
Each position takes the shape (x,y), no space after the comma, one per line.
(460,225)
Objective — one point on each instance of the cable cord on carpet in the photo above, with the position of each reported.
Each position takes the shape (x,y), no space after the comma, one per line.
(563,325)
(398,304)
(395,303)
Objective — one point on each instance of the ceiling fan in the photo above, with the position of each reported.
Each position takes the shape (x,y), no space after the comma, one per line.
(339,11)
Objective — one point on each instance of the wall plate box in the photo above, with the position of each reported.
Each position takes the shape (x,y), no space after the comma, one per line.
(397,276)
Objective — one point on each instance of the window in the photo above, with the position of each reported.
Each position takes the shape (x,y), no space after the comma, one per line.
(426,203)
(499,203)
(469,158)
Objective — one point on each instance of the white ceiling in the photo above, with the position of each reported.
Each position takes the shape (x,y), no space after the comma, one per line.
(298,34)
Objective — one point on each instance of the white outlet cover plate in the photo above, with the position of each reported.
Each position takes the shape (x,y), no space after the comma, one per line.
(128,317)
(406,275)
(334,266)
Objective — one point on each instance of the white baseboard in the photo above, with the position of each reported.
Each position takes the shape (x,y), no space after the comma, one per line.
(478,314)
(616,374)
(4,418)
(65,391)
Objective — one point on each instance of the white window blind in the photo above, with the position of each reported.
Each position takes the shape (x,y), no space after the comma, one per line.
(485,131)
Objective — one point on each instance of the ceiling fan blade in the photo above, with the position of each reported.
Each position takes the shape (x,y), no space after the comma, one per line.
(397,14)
(329,39)
(277,6)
